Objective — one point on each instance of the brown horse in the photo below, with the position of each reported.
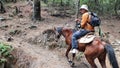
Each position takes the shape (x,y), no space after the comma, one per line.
(95,49)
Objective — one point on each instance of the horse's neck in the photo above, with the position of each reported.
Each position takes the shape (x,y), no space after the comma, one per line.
(66,33)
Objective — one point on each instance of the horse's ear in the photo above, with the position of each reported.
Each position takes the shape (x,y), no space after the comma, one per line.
(54,28)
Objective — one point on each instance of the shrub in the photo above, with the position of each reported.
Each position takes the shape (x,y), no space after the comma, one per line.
(5,52)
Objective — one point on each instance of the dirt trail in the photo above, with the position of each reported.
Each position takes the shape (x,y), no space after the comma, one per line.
(36,56)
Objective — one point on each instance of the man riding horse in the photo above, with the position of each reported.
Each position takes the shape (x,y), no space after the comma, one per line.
(92,49)
(86,27)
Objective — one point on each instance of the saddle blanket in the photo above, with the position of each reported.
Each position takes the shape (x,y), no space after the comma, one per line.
(86,39)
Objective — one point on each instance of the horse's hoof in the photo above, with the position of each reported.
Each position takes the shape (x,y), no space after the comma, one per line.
(72,64)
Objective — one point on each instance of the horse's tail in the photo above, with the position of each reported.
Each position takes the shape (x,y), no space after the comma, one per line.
(111,56)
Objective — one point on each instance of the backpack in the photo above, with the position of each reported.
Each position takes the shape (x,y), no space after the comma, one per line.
(94,20)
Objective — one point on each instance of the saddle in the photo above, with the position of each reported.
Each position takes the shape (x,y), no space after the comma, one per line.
(87,38)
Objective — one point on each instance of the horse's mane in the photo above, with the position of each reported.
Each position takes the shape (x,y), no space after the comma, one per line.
(70,30)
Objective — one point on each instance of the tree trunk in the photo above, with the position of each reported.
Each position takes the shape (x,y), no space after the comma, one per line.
(1,65)
(115,8)
(2,9)
(36,10)
(45,1)
(61,4)
(6,1)
(68,3)
(14,1)
(77,13)
(96,2)
(53,2)
(77,8)
(17,10)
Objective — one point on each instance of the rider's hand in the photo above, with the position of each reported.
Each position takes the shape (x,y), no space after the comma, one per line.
(77,20)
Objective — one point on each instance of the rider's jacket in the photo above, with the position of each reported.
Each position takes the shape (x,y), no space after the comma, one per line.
(85,22)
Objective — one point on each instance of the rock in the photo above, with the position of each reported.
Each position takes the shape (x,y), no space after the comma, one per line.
(119,32)
(52,45)
(33,27)
(20,16)
(48,31)
(118,41)
(10,39)
(2,19)
(18,26)
(4,27)
(15,32)
(11,15)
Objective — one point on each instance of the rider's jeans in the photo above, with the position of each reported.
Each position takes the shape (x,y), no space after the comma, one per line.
(76,36)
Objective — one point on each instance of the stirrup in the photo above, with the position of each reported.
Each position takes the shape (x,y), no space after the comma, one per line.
(74,51)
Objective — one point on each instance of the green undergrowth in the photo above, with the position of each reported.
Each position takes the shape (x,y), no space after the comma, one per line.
(5,52)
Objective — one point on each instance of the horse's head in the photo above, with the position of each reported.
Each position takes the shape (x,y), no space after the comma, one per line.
(58,32)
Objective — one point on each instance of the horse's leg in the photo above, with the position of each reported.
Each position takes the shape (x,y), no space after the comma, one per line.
(73,56)
(72,62)
(91,61)
(101,59)
(67,52)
